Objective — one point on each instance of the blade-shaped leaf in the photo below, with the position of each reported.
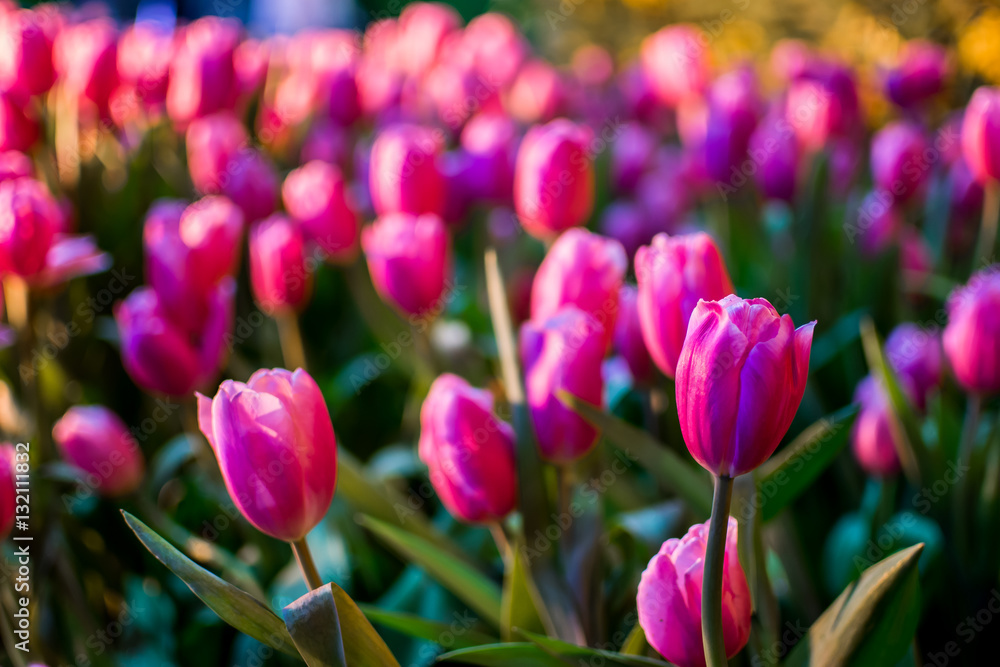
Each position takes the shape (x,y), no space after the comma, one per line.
(575,653)
(234,606)
(363,646)
(784,477)
(466,582)
(687,480)
(872,622)
(635,643)
(522,606)
(421,628)
(522,654)
(314,625)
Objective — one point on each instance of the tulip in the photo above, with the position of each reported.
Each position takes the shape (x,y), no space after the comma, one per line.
(664,193)
(981,134)
(278,272)
(68,257)
(8,489)
(202,74)
(497,48)
(491,142)
(456,91)
(674,273)
(316,197)
(916,259)
(873,437)
(966,192)
(276,449)
(628,336)
(18,131)
(85,55)
(403,175)
(554,179)
(212,142)
(327,142)
(585,270)
(670,592)
(334,64)
(972,337)
(774,149)
(822,104)
(878,225)
(920,74)
(145,50)
(641,100)
(29,219)
(790,59)
(562,353)
(625,222)
(409,258)
(425,27)
(26,38)
(677,62)
(538,94)
(252,184)
(897,157)
(915,354)
(468,450)
(95,440)
(740,379)
(15,164)
(732,116)
(632,154)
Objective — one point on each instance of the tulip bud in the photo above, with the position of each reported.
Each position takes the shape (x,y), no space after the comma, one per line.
(86,57)
(14,165)
(774,149)
(898,159)
(554,179)
(585,270)
(732,116)
(538,94)
(669,598)
(562,353)
(740,379)
(409,258)
(628,336)
(424,29)
(95,440)
(252,184)
(920,74)
(491,142)
(278,272)
(822,104)
(18,131)
(677,62)
(8,489)
(274,442)
(403,174)
(202,74)
(316,197)
(26,38)
(873,436)
(981,134)
(625,222)
(469,451)
(496,46)
(145,50)
(29,219)
(972,337)
(632,155)
(674,273)
(915,355)
(212,142)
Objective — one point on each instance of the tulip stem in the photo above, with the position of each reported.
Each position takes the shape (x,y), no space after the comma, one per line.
(290,337)
(500,538)
(305,560)
(988,226)
(711,592)
(966,446)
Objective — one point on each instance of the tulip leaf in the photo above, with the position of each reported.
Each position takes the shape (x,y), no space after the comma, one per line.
(872,622)
(543,652)
(422,628)
(464,581)
(522,606)
(635,643)
(686,479)
(314,626)
(575,653)
(784,477)
(364,646)
(234,606)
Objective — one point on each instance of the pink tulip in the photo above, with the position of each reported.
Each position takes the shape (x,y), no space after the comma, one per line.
(491,142)
(585,270)
(26,37)
(920,75)
(674,273)
(666,192)
(897,157)
(740,379)
(496,47)
(677,62)
(972,336)
(538,94)
(554,179)
(29,219)
(18,130)
(202,74)
(252,184)
(669,599)
(916,355)
(966,192)
(275,445)
(626,222)
(8,488)
(916,259)
(95,440)
(790,59)
(70,256)
(733,108)
(404,175)
(562,353)
(628,336)
(278,272)
(874,432)
(327,142)
(85,56)
(468,450)
(15,164)
(424,29)
(981,134)
(409,258)
(822,104)
(212,142)
(632,154)
(316,197)
(774,149)
(145,50)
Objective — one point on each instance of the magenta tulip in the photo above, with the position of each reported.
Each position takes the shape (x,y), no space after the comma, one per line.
(554,179)
(740,379)
(409,258)
(669,599)
(733,108)
(897,157)
(425,28)
(972,336)
(981,134)
(316,197)
(15,164)
(94,439)
(202,74)
(404,175)
(29,220)
(562,353)
(677,62)
(823,104)
(776,153)
(8,488)
(212,142)
(85,56)
(275,445)
(966,192)
(915,354)
(632,154)
(278,272)
(920,74)
(538,94)
(874,433)
(491,143)
(628,336)
(26,38)
(145,50)
(18,130)
(71,256)
(626,222)
(252,184)
(674,273)
(468,450)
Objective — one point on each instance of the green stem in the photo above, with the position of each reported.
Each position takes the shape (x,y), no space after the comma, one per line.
(711,590)
(305,560)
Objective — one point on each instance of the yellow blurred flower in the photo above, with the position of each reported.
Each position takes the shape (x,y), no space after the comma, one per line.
(979,45)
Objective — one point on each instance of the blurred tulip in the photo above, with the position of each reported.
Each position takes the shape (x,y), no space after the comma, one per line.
(29,218)
(554,179)
(276,449)
(70,256)
(915,354)
(628,336)
(585,270)
(845,162)
(790,59)
(625,222)
(740,379)
(981,134)
(674,273)
(822,104)
(145,50)
(202,74)
(491,142)
(632,154)
(538,94)
(409,258)
(966,192)
(664,193)
(972,338)
(733,107)
(212,142)
(26,38)
(424,29)
(669,598)
(469,451)
(15,164)
(916,259)
(278,272)
(18,131)
(403,174)
(495,46)
(878,225)
(897,158)
(874,432)
(774,150)
(85,55)
(562,353)
(252,184)
(316,197)
(677,62)
(250,61)
(8,489)
(920,74)
(95,440)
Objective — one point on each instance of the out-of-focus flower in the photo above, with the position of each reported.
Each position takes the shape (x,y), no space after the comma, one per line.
(202,75)
(278,272)
(212,142)
(628,336)
(403,174)
(85,56)
(981,134)
(145,50)
(95,440)
(669,597)
(966,192)
(873,436)
(26,37)
(328,142)
(252,184)
(554,179)
(71,257)
(845,162)
(277,419)
(29,218)
(15,164)
(920,74)
(790,59)
(916,259)
(915,354)
(468,450)
(879,223)
(562,353)
(424,28)
(316,197)
(409,258)
(495,46)
(585,270)
(632,154)
(733,108)
(626,222)
(18,131)
(8,489)
(538,94)
(740,379)
(664,193)
(773,147)
(674,273)
(491,142)
(677,62)
(897,157)
(972,337)
(822,104)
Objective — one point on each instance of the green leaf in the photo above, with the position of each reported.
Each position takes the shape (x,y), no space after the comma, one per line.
(314,626)
(466,582)
(522,654)
(522,606)
(364,646)
(872,622)
(421,628)
(784,477)
(635,643)
(575,654)
(234,606)
(686,479)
